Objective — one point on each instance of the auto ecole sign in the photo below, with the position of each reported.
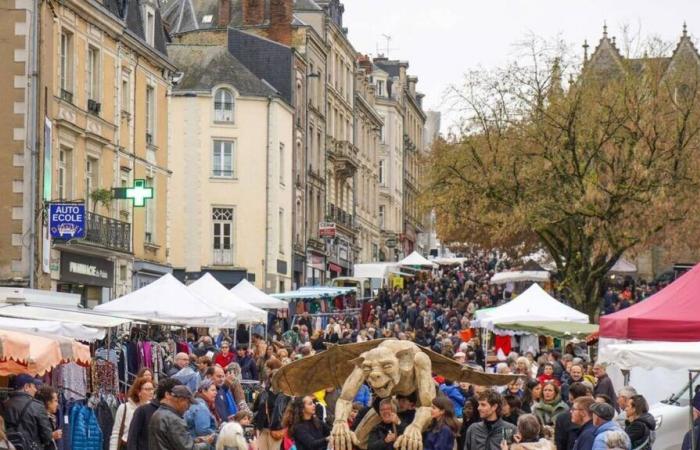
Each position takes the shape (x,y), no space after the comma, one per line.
(67,220)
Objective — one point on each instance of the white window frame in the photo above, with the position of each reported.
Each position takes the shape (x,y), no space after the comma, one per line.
(150,216)
(221,159)
(151,112)
(222,115)
(219,219)
(65,173)
(94,74)
(92,179)
(66,60)
(282,156)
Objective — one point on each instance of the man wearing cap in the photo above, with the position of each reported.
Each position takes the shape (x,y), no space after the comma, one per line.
(26,415)
(687,439)
(603,415)
(167,430)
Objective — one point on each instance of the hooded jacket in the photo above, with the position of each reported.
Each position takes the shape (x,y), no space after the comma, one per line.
(639,430)
(601,432)
(455,395)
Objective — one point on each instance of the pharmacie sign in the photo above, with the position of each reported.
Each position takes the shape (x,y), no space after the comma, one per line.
(67,220)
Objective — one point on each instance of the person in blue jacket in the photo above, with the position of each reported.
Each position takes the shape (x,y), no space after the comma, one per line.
(364,396)
(201,417)
(603,415)
(444,427)
(455,395)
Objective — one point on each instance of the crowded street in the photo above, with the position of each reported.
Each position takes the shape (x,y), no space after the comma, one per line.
(349,225)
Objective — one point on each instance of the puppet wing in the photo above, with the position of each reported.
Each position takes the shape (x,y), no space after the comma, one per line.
(452,370)
(325,369)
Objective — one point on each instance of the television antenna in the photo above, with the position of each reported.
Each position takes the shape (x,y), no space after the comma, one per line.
(386,50)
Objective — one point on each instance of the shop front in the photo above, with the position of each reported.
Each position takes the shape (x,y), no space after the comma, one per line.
(89,276)
(315,269)
(146,272)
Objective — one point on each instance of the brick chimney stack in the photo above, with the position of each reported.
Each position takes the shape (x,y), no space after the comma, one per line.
(281,21)
(224,14)
(253,12)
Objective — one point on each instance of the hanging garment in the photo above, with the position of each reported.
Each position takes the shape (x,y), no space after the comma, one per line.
(105,420)
(502,343)
(86,433)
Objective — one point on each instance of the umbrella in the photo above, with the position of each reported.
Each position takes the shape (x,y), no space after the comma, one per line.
(36,354)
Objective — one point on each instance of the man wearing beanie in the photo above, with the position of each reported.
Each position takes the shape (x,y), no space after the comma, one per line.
(687,440)
(603,415)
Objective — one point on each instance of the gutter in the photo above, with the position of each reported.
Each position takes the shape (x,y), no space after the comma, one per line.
(268,211)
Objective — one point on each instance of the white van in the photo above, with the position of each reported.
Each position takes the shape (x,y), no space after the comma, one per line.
(672,418)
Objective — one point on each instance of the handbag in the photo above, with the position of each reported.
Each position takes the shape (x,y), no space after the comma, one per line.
(121,445)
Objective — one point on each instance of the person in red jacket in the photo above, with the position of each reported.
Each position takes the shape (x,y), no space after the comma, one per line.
(548,375)
(225,356)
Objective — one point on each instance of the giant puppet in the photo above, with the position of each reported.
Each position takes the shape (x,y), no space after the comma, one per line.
(390,367)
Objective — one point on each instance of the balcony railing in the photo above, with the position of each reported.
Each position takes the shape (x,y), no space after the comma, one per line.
(109,233)
(341,216)
(223,257)
(67,95)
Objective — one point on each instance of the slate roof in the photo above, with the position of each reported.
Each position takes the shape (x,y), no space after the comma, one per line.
(393,68)
(306,5)
(130,12)
(188,15)
(205,66)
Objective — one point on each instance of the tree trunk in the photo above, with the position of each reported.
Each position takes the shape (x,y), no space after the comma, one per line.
(585,296)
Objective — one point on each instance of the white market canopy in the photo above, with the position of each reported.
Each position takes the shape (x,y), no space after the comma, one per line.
(416,259)
(375,270)
(516,276)
(314,293)
(85,317)
(168,301)
(53,328)
(445,261)
(247,292)
(220,298)
(533,305)
(623,266)
(651,355)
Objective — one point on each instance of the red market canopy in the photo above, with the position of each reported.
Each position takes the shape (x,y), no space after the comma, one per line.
(673,314)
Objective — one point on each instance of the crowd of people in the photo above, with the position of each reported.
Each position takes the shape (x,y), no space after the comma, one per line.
(562,401)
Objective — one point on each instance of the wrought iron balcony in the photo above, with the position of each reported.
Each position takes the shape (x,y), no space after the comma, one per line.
(108,233)
(341,217)
(223,257)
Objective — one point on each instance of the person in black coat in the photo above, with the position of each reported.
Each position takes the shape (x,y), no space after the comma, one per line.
(604,385)
(384,435)
(639,424)
(138,428)
(304,427)
(566,431)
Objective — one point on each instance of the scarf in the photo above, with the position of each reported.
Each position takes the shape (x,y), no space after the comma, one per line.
(212,409)
(551,406)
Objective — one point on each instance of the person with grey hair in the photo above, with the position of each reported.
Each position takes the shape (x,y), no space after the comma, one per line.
(626,393)
(383,436)
(603,383)
(616,440)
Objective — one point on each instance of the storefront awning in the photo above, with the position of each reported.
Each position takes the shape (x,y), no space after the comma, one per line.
(83,317)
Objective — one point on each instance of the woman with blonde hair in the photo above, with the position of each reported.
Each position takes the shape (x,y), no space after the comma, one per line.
(140,393)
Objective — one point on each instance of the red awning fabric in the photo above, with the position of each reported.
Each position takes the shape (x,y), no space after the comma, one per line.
(673,314)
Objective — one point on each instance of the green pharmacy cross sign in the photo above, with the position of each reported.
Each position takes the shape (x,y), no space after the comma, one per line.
(138,193)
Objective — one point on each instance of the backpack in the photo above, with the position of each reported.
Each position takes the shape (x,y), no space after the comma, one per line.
(17,435)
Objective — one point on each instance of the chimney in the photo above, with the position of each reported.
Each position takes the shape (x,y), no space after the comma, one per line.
(224,14)
(253,12)
(281,21)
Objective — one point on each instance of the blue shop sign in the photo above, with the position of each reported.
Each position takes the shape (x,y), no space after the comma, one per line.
(67,220)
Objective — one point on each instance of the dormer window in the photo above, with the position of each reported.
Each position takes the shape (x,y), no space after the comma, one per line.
(149,26)
(223,105)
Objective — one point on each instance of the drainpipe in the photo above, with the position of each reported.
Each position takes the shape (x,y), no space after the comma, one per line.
(268,206)
(32,144)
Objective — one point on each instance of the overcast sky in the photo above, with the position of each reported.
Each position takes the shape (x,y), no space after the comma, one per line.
(441,39)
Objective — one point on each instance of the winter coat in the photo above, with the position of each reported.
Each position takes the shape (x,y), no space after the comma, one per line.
(439,438)
(586,437)
(249,370)
(604,386)
(380,432)
(488,436)
(548,412)
(35,422)
(138,428)
(455,395)
(86,433)
(542,444)
(125,413)
(687,439)
(200,421)
(640,429)
(599,443)
(168,431)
